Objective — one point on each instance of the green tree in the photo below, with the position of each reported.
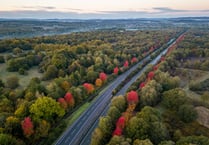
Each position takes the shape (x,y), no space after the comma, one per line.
(6,139)
(119,102)
(51,72)
(105,125)
(150,94)
(174,98)
(187,113)
(46,108)
(142,142)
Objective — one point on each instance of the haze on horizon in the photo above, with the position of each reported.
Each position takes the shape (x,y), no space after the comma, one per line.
(104,9)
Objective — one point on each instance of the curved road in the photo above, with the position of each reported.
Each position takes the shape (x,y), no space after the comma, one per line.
(80,131)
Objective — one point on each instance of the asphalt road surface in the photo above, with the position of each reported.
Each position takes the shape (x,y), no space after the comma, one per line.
(79,133)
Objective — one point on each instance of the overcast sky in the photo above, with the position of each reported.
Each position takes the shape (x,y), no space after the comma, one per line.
(88,9)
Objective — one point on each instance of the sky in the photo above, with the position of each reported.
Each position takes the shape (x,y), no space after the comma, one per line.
(102,9)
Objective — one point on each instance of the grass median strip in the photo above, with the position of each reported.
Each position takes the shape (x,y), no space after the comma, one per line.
(76,114)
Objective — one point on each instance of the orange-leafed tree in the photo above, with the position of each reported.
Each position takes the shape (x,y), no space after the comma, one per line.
(63,103)
(98,82)
(27,126)
(89,87)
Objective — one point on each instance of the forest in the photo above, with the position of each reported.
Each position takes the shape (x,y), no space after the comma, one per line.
(168,104)
(43,80)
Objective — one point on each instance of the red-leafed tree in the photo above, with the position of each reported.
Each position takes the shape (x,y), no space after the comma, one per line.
(88,87)
(162,58)
(133,60)
(117,131)
(116,70)
(121,122)
(126,63)
(103,76)
(142,85)
(132,97)
(151,48)
(155,68)
(150,75)
(63,103)
(69,99)
(27,126)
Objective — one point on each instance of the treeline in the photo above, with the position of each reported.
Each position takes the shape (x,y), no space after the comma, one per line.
(76,67)
(155,110)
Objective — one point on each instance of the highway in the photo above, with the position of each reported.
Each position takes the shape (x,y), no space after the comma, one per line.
(79,133)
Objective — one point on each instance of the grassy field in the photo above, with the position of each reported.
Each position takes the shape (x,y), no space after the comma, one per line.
(23,79)
(191,75)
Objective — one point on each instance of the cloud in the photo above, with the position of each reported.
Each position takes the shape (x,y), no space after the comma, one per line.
(40,12)
(38,7)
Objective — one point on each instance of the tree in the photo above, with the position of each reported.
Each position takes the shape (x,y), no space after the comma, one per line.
(187,113)
(116,70)
(27,126)
(174,98)
(12,82)
(43,128)
(205,96)
(121,122)
(12,125)
(89,87)
(147,124)
(98,82)
(63,103)
(134,60)
(105,125)
(132,97)
(46,108)
(6,139)
(69,99)
(114,113)
(142,85)
(103,76)
(2,59)
(150,94)
(119,140)
(51,72)
(97,137)
(118,131)
(201,140)
(150,75)
(142,142)
(126,64)
(119,102)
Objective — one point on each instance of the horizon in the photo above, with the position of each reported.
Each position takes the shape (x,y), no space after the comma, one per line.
(92,9)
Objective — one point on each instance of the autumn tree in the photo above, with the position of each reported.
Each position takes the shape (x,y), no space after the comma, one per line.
(103,76)
(46,108)
(132,97)
(116,70)
(89,87)
(63,103)
(27,126)
(69,99)
(98,82)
